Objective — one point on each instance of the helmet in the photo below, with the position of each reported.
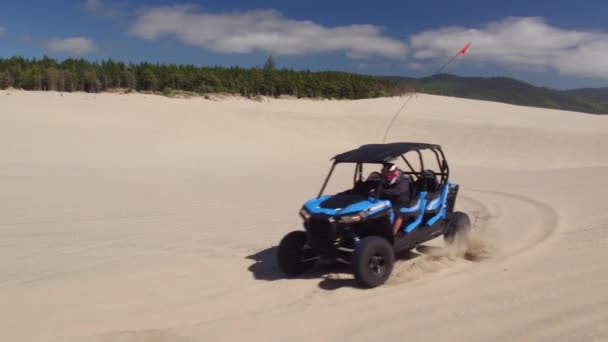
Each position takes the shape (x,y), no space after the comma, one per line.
(391,174)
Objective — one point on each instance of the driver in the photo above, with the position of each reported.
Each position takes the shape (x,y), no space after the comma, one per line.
(395,188)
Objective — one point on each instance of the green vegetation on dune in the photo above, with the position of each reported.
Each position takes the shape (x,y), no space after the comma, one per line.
(507,90)
(81,75)
(174,80)
(599,95)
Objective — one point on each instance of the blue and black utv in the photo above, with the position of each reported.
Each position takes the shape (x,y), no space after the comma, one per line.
(356,226)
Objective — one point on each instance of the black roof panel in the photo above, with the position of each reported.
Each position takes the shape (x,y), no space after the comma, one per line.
(381,153)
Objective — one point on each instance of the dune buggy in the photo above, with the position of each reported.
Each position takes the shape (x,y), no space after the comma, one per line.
(355,226)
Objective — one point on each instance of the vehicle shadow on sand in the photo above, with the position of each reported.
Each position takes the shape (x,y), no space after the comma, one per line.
(333,275)
(341,276)
(266,268)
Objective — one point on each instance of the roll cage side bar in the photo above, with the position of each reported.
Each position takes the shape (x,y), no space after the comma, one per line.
(358,176)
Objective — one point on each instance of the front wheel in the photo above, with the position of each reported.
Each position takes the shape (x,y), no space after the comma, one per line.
(294,256)
(373,260)
(457,228)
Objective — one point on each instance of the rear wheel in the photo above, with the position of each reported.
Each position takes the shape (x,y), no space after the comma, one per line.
(294,255)
(458,228)
(373,260)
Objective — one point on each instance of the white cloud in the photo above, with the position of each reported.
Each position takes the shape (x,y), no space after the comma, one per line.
(416,66)
(93,5)
(98,7)
(262,30)
(528,43)
(72,45)
(521,42)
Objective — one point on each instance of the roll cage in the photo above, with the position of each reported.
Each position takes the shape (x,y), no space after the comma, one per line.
(383,154)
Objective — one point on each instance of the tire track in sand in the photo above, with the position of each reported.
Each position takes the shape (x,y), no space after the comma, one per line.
(503,225)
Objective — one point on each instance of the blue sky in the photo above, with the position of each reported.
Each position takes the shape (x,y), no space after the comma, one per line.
(560,44)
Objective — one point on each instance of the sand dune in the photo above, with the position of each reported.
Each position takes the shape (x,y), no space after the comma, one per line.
(143,218)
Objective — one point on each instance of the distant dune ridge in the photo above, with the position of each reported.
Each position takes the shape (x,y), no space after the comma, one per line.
(511,91)
(73,75)
(136,217)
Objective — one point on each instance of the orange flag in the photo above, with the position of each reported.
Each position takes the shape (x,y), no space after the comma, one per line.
(464,49)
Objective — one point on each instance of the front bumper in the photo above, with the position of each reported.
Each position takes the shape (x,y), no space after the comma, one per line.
(326,235)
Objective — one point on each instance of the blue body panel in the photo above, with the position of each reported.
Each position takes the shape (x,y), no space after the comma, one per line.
(418,220)
(412,209)
(442,200)
(372,206)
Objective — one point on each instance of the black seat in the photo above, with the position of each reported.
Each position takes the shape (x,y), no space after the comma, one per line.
(427,182)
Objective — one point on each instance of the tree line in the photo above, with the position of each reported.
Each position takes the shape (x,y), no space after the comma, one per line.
(70,75)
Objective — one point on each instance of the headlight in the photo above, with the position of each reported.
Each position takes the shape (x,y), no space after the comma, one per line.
(354,218)
(304,214)
(351,218)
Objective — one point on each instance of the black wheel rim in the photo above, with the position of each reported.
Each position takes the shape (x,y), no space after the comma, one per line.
(298,251)
(377,264)
(301,252)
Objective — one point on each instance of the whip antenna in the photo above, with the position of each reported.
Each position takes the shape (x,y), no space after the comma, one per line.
(396,115)
(463,51)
